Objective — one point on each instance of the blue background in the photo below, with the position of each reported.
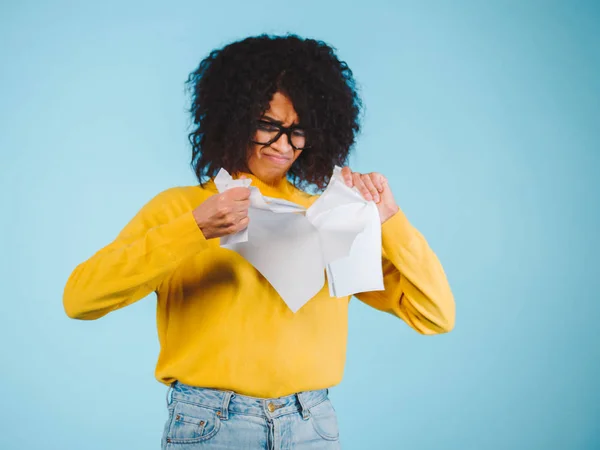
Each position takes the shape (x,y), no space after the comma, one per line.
(484,116)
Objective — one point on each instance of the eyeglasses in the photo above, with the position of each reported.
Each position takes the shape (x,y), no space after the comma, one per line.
(268,132)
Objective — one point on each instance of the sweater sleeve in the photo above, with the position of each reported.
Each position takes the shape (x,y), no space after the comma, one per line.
(150,246)
(416,287)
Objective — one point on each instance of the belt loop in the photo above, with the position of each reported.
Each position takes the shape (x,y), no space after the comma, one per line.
(305,411)
(224,412)
(169,389)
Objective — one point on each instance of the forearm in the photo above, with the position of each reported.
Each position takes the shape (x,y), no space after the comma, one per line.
(416,286)
(128,270)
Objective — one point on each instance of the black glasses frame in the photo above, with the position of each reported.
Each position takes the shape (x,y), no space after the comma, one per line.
(282,130)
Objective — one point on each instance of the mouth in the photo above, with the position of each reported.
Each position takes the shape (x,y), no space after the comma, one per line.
(277,159)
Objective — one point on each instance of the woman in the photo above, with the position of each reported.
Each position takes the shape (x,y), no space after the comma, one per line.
(244,372)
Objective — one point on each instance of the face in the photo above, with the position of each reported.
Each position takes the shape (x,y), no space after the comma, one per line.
(271,163)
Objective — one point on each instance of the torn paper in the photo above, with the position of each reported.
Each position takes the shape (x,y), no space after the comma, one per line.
(292,247)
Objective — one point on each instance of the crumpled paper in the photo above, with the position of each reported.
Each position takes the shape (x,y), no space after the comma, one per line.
(293,247)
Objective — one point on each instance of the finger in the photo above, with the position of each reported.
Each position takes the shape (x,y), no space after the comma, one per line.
(243,223)
(347,175)
(232,220)
(234,226)
(238,193)
(239,225)
(377,180)
(366,179)
(360,185)
(242,206)
(384,183)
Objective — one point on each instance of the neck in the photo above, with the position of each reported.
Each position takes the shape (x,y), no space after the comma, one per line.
(270,187)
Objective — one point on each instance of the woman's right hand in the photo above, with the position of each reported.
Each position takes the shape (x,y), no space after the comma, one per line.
(224,213)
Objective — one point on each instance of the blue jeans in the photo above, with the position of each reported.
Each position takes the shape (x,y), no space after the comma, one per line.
(201,418)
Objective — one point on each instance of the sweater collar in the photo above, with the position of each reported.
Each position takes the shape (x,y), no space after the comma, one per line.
(282,189)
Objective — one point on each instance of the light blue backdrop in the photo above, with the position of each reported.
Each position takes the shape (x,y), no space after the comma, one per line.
(485,116)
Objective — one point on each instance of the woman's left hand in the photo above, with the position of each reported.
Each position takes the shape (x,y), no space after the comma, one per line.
(373,186)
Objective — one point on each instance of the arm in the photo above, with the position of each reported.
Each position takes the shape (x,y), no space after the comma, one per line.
(150,247)
(416,287)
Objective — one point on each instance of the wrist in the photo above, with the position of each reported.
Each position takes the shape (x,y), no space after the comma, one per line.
(198,219)
(391,213)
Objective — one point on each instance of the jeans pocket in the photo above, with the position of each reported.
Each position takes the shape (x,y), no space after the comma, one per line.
(191,424)
(324,421)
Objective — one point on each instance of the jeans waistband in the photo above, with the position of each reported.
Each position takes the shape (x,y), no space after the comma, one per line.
(225,402)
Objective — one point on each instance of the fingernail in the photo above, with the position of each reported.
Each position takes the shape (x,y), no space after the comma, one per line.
(377,199)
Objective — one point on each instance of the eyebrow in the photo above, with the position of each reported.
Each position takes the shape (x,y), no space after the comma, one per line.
(277,122)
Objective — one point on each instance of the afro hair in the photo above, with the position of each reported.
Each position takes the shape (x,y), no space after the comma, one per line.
(233,86)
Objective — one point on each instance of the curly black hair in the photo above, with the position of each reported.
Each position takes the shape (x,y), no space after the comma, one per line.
(233,86)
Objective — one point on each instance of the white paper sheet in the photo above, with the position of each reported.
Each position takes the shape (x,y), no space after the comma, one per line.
(342,212)
(292,247)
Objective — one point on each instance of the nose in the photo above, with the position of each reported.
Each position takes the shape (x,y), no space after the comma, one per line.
(282,145)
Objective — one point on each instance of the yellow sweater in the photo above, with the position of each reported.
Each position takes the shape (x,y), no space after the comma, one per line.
(221,324)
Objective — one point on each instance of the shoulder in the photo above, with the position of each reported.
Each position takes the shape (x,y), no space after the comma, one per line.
(181,197)
(165,206)
(182,194)
(171,202)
